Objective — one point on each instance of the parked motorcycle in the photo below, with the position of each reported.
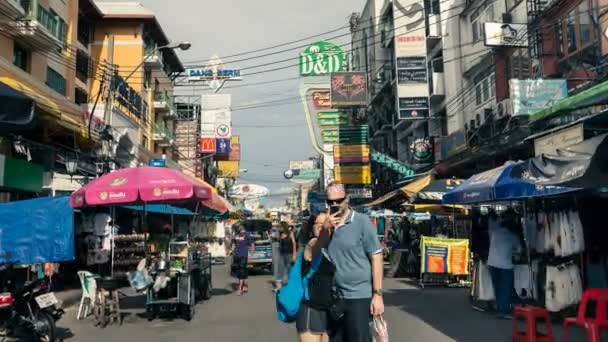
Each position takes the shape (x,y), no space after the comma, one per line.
(31,310)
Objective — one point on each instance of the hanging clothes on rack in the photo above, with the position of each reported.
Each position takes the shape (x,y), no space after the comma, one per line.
(523,281)
(563,287)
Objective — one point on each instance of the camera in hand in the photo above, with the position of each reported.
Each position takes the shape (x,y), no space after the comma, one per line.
(334,209)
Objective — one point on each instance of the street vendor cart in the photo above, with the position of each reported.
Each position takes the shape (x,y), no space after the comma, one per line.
(180,276)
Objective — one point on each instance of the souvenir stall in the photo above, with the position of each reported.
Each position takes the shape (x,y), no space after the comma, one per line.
(169,262)
(36,236)
(539,224)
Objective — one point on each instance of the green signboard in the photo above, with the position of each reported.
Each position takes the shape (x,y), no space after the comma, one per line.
(392,164)
(322,58)
(308,174)
(354,134)
(330,135)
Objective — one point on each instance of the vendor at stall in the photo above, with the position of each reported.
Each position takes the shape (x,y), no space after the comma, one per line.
(504,242)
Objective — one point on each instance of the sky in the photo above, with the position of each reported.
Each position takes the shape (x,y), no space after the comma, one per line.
(273,134)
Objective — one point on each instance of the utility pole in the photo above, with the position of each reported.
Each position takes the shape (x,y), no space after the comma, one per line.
(107,114)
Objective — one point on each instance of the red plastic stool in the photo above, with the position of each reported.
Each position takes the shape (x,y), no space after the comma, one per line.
(530,314)
(593,324)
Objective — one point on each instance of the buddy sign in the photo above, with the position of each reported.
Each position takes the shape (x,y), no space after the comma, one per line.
(215,74)
(322,58)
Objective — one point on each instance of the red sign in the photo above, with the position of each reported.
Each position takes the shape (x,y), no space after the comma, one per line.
(208,145)
(321,99)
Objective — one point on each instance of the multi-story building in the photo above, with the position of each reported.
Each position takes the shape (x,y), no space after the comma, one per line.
(138,68)
(399,45)
(42,126)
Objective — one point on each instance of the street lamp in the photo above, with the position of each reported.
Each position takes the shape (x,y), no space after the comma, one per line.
(181,45)
(71,164)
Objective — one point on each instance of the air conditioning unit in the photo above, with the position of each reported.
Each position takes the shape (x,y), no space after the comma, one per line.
(504,108)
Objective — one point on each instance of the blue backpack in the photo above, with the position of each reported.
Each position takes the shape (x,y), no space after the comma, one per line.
(290,296)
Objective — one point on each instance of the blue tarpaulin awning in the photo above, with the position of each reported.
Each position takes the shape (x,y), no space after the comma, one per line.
(37,231)
(160,209)
(499,185)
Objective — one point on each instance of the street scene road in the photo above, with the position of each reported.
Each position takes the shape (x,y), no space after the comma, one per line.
(413,314)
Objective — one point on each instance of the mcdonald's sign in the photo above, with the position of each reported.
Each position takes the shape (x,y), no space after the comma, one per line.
(208,145)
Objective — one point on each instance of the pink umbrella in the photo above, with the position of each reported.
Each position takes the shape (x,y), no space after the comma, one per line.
(140,184)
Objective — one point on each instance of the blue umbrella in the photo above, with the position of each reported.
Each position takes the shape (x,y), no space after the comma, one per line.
(499,184)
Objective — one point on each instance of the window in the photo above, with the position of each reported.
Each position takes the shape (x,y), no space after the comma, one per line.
(82,65)
(435,7)
(485,88)
(147,77)
(81,96)
(481,15)
(21,57)
(85,30)
(575,31)
(55,81)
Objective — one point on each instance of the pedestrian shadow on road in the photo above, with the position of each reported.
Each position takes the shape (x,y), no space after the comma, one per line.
(220,292)
(449,312)
(64,333)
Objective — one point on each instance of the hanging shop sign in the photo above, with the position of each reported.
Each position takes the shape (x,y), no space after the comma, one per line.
(412,108)
(348,89)
(344,154)
(157,163)
(505,34)
(248,191)
(302,174)
(444,256)
(412,70)
(531,96)
(409,22)
(208,145)
(353,174)
(561,139)
(395,165)
(353,134)
(215,74)
(330,135)
(359,191)
(301,164)
(322,58)
(421,150)
(410,59)
(222,147)
(332,118)
(228,169)
(321,99)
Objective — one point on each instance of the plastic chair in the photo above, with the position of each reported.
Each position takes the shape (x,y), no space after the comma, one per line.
(531,314)
(89,291)
(593,324)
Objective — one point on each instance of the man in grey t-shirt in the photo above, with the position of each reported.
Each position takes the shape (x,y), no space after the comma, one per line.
(357,255)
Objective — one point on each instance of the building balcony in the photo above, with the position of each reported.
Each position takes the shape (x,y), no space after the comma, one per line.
(10,10)
(153,57)
(163,103)
(37,26)
(163,136)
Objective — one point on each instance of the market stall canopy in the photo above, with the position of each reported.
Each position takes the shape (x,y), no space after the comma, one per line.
(584,165)
(498,185)
(140,184)
(436,209)
(17,110)
(37,231)
(404,192)
(434,191)
(160,209)
(218,204)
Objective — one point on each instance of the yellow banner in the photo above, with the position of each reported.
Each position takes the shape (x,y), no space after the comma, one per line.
(351,151)
(448,256)
(234,140)
(228,169)
(353,174)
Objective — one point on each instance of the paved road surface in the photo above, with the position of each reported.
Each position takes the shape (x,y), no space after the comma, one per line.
(429,315)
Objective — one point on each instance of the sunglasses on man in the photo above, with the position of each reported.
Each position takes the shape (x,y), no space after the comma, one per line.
(335,201)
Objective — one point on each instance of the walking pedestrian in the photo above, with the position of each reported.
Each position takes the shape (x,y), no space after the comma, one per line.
(242,247)
(287,253)
(312,321)
(356,253)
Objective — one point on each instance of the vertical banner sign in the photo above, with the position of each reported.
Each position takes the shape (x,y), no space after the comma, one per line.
(348,89)
(222,147)
(223,124)
(446,256)
(322,58)
(410,59)
(216,116)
